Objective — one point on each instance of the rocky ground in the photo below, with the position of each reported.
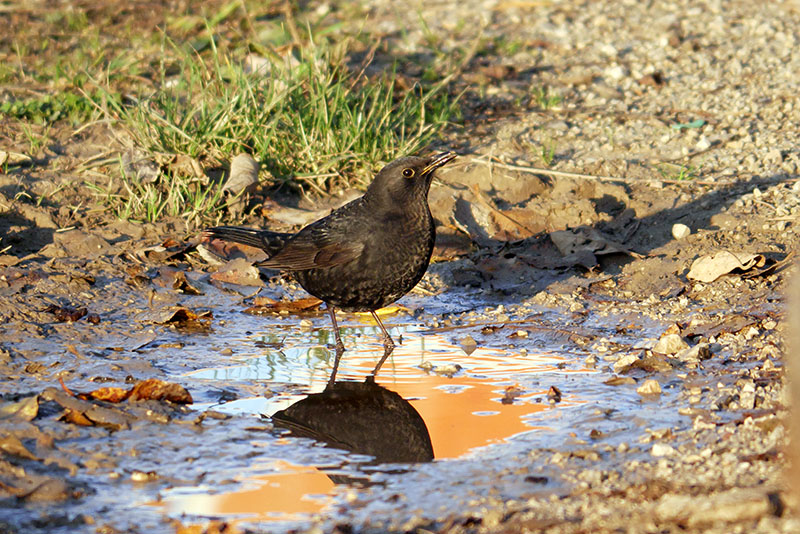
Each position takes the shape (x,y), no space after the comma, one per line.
(673,139)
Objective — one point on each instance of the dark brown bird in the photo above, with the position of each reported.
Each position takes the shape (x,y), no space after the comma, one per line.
(364,255)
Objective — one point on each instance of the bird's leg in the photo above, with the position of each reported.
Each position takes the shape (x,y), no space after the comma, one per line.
(339,344)
(388,345)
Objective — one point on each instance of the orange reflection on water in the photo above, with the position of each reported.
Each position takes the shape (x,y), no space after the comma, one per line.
(461,413)
(280,496)
(464,411)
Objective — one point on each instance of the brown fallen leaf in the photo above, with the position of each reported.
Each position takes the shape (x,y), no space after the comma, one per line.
(771,266)
(76,418)
(150,389)
(239,271)
(107,394)
(172,278)
(264,305)
(66,314)
(584,242)
(137,276)
(731,324)
(168,250)
(179,316)
(226,250)
(242,182)
(155,389)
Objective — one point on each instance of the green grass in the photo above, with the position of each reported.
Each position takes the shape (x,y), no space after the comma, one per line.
(544,98)
(547,152)
(310,121)
(50,108)
(190,199)
(671,171)
(315,121)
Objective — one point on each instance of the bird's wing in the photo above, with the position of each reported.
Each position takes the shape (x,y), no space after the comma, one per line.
(304,252)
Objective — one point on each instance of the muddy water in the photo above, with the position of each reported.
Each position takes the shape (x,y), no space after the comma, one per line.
(488,405)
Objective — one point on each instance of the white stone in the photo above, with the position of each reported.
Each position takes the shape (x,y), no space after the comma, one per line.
(649,387)
(680,231)
(662,449)
(670,344)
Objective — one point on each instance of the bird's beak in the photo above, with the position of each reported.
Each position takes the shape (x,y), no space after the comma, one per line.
(438,161)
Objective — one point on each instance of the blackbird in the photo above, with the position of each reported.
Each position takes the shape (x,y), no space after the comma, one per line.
(364,255)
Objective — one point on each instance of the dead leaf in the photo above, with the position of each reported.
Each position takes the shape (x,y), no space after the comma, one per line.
(491,329)
(26,409)
(239,271)
(66,314)
(708,268)
(506,222)
(136,276)
(14,158)
(179,316)
(155,389)
(107,394)
(168,250)
(582,244)
(76,418)
(229,250)
(241,183)
(264,305)
(150,389)
(731,324)
(172,278)
(771,266)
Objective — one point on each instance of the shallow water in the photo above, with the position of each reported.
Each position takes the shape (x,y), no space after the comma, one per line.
(488,405)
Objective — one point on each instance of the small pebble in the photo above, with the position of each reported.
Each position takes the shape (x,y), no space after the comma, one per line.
(670,344)
(650,387)
(662,449)
(680,231)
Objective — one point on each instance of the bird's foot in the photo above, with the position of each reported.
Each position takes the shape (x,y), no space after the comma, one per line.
(388,348)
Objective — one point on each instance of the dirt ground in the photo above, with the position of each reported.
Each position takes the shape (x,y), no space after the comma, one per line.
(595,211)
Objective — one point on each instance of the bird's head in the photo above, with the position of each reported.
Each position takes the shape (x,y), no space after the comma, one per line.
(407,178)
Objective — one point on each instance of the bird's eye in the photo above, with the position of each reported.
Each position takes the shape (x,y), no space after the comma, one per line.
(408,173)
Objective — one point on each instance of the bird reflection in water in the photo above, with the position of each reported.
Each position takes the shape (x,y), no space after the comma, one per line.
(361,417)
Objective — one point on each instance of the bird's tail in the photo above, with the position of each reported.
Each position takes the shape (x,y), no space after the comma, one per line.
(270,242)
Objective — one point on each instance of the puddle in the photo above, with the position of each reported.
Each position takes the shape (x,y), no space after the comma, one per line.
(463,402)
(291,493)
